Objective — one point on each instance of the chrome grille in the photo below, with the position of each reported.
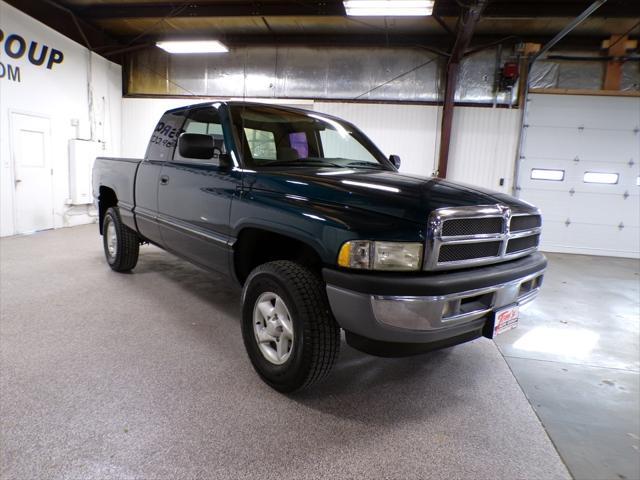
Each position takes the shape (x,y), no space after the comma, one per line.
(524,222)
(522,243)
(472,226)
(465,236)
(466,251)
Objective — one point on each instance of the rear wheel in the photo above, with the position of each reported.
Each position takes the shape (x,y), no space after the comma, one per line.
(288,329)
(121,244)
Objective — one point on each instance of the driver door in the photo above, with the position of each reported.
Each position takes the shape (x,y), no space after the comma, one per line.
(195,195)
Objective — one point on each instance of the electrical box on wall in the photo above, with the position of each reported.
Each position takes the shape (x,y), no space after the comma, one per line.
(82,154)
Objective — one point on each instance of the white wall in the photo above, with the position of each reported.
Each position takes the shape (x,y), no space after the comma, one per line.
(139,118)
(483,145)
(483,149)
(61,94)
(409,131)
(405,130)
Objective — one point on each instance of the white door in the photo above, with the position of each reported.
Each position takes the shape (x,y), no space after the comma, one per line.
(581,164)
(30,147)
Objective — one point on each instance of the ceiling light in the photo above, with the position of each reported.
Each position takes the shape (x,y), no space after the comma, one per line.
(193,46)
(388,8)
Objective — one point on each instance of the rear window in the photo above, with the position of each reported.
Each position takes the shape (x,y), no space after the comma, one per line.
(165,137)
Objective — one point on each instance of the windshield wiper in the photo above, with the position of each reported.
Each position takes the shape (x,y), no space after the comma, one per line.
(301,162)
(376,166)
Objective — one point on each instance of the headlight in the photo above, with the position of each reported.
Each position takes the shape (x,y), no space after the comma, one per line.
(391,256)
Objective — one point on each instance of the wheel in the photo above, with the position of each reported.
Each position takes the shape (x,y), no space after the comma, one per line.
(288,329)
(121,244)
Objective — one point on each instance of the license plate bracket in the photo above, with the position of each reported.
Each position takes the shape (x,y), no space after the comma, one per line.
(502,320)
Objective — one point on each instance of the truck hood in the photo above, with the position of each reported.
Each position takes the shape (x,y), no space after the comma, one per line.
(399,195)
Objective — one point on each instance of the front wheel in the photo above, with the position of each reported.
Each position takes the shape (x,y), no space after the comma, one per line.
(121,244)
(288,329)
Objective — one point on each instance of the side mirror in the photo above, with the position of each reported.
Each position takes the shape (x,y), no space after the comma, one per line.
(226,163)
(195,145)
(395,160)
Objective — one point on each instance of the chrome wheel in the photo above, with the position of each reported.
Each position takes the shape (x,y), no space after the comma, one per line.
(112,239)
(273,328)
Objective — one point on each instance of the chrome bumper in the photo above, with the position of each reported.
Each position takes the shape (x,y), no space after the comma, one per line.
(424,318)
(431,313)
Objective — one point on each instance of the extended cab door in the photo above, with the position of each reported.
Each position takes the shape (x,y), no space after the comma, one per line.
(195,196)
(161,146)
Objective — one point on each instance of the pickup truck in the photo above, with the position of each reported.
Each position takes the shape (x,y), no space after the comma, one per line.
(323,233)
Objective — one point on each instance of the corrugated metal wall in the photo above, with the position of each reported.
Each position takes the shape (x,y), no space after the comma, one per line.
(483,146)
(344,73)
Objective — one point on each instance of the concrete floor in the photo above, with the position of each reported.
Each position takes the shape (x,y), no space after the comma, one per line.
(576,355)
(144,375)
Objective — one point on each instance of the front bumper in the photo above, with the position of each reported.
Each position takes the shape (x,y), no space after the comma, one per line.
(430,309)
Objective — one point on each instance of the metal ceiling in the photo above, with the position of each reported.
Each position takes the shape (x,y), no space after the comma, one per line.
(112,27)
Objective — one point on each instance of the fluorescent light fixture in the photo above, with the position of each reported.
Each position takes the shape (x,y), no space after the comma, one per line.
(596,177)
(547,174)
(388,8)
(193,46)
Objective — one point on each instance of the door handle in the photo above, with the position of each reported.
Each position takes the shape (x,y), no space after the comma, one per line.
(17,181)
(164,180)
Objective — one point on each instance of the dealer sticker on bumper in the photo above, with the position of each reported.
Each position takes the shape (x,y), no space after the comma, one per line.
(506,319)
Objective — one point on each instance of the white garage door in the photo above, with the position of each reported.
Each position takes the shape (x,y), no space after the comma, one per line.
(580,164)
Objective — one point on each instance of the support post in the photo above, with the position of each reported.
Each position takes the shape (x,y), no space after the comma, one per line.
(463,39)
(613,73)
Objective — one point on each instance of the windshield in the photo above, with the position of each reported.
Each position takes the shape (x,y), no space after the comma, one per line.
(271,137)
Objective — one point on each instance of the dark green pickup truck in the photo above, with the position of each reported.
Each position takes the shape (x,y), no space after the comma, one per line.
(323,233)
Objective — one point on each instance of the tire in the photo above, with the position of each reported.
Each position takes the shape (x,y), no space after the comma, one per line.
(315,343)
(121,244)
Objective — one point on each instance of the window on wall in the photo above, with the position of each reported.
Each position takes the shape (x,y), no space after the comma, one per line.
(600,177)
(547,174)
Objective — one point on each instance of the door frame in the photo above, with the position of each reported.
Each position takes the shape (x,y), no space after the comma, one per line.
(12,163)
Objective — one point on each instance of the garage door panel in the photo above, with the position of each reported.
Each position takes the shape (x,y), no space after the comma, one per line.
(604,210)
(609,112)
(610,146)
(581,238)
(579,216)
(532,165)
(548,205)
(626,178)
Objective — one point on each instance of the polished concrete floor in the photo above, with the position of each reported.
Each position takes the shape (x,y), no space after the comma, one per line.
(144,375)
(576,355)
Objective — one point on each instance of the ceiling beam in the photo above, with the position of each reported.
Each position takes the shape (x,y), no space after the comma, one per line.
(568,28)
(541,9)
(495,9)
(436,41)
(201,9)
(65,21)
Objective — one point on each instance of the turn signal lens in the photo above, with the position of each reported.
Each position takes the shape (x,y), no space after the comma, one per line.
(390,256)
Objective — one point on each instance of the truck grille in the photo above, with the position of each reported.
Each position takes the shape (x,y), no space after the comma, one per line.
(465,236)
(522,243)
(525,222)
(472,226)
(467,251)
